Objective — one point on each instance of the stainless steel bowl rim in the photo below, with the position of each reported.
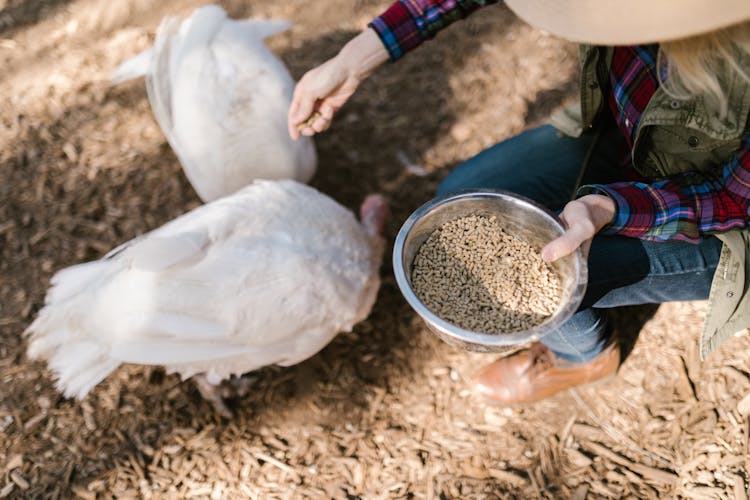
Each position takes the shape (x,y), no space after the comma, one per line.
(461,335)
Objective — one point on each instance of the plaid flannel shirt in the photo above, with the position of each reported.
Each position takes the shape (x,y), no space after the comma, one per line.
(408,23)
(683,207)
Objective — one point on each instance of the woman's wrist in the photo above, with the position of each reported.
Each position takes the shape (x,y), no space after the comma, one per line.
(363,54)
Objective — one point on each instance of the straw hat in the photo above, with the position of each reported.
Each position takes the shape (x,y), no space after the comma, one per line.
(630,22)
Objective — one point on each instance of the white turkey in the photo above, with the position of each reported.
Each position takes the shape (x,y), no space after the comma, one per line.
(268,275)
(221,98)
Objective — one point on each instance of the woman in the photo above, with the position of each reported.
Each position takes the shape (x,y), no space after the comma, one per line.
(656,158)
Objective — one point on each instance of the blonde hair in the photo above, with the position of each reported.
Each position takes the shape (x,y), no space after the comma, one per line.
(693,64)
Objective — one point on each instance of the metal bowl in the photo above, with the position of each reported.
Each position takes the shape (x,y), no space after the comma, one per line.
(519,217)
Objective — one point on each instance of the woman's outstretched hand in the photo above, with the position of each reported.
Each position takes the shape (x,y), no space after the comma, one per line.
(584,218)
(323,90)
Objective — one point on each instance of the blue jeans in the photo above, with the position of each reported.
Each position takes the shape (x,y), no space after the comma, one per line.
(543,165)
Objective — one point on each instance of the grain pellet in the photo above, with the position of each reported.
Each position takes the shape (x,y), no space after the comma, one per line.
(473,274)
(309,122)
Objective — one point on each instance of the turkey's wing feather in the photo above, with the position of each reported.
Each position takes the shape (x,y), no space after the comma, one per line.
(154,351)
(158,253)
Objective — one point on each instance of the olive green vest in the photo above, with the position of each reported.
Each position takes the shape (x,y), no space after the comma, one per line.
(676,136)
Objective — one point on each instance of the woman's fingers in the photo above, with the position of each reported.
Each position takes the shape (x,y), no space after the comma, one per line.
(581,228)
(312,99)
(577,234)
(327,110)
(300,109)
(311,87)
(317,122)
(318,117)
(584,218)
(320,124)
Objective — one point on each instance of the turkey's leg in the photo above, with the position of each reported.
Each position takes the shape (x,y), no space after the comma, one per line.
(235,387)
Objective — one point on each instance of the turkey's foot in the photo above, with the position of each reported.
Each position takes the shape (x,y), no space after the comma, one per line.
(235,387)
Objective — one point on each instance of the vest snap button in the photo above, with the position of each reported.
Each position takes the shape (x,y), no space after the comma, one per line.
(730,294)
(593,85)
(675,104)
(693,141)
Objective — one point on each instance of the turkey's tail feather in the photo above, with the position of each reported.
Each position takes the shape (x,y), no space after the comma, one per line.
(262,28)
(198,30)
(133,68)
(173,42)
(78,363)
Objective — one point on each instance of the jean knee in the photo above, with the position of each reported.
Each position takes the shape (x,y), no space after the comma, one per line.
(448,185)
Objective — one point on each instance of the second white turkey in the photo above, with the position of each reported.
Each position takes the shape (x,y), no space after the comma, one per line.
(221,98)
(266,276)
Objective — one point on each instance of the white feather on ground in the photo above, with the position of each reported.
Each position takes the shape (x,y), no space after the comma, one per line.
(266,276)
(221,98)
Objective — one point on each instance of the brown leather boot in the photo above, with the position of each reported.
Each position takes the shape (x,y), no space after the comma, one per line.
(536,373)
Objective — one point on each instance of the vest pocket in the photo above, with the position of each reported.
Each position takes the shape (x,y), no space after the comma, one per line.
(672,150)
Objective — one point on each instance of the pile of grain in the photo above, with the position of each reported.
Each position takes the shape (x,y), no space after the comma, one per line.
(475,275)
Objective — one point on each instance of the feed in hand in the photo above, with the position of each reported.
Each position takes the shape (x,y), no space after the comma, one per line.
(309,122)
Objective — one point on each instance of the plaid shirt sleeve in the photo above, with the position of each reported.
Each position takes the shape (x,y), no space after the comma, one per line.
(682,207)
(408,23)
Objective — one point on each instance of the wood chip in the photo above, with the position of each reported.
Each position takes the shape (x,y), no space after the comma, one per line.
(580,492)
(586,432)
(567,429)
(509,478)
(738,487)
(650,473)
(577,458)
(7,489)
(70,151)
(20,481)
(703,493)
(30,423)
(14,462)
(275,462)
(743,407)
(600,488)
(171,449)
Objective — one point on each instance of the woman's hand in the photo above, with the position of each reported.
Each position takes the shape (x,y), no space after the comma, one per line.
(322,91)
(584,218)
